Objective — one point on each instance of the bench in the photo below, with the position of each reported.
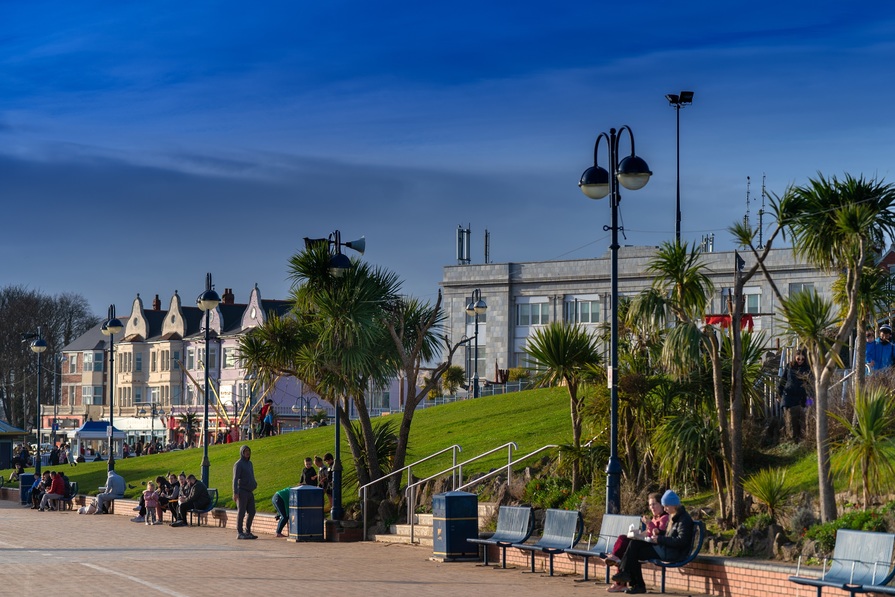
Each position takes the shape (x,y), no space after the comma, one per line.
(562,530)
(612,526)
(68,501)
(200,512)
(861,563)
(514,525)
(698,538)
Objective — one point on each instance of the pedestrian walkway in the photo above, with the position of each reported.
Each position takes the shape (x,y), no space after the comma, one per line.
(63,553)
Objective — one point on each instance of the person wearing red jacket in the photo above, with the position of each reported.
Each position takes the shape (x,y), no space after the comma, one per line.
(55,492)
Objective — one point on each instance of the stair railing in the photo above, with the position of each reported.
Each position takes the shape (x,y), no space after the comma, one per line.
(362,491)
(456,473)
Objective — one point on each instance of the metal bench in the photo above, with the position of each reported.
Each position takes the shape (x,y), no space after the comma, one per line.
(200,512)
(861,563)
(514,525)
(562,531)
(612,526)
(698,538)
(67,502)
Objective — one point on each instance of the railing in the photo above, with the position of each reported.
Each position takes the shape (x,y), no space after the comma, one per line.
(456,473)
(509,464)
(362,491)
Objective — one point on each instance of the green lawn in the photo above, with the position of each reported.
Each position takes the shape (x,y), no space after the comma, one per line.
(532,419)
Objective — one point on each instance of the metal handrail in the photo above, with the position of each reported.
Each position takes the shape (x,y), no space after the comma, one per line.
(362,491)
(509,464)
(459,478)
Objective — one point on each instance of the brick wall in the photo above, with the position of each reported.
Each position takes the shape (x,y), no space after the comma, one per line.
(727,577)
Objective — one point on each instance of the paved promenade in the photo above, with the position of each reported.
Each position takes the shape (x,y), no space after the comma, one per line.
(63,553)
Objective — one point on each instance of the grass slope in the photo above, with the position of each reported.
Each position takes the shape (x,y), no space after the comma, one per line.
(532,419)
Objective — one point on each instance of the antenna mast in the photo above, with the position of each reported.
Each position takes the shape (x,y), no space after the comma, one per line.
(748,185)
(487,246)
(761,213)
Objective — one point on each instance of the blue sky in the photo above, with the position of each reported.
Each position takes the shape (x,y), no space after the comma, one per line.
(143,144)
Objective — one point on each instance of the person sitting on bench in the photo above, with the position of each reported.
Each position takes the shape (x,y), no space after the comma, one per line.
(114,488)
(673,546)
(193,497)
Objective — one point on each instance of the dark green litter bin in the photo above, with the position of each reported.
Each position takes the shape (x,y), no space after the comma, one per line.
(306,513)
(455,518)
(26,480)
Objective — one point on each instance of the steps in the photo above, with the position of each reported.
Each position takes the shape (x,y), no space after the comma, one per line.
(422,528)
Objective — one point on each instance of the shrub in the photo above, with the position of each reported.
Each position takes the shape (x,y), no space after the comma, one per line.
(553,492)
(769,486)
(861,520)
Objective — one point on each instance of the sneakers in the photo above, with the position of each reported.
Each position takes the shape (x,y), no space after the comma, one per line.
(149,523)
(241,536)
(178,523)
(617,588)
(250,535)
(636,590)
(136,508)
(621,577)
(158,522)
(138,519)
(282,536)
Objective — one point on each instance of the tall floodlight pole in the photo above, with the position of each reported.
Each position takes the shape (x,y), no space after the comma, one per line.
(596,182)
(678,101)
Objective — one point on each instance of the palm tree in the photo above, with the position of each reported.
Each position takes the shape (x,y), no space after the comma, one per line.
(563,353)
(869,447)
(834,224)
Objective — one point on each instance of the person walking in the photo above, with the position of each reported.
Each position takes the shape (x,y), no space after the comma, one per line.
(244,486)
(794,389)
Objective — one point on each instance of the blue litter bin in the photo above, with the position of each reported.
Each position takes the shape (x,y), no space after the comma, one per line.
(306,513)
(455,518)
(26,480)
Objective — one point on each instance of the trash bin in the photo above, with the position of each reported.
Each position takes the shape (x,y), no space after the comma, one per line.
(306,513)
(455,518)
(26,480)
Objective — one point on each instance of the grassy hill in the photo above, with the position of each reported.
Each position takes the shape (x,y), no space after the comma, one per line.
(532,419)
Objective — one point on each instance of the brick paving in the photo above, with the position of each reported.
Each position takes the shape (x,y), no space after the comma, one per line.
(63,553)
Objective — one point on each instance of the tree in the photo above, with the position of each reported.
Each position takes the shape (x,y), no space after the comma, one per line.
(453,378)
(563,353)
(869,448)
(834,224)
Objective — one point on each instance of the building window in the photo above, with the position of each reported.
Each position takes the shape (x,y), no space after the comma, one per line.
(471,362)
(532,314)
(138,361)
(153,394)
(138,394)
(153,361)
(92,394)
(230,358)
(73,363)
(175,395)
(582,311)
(176,361)
(93,361)
(752,303)
(797,287)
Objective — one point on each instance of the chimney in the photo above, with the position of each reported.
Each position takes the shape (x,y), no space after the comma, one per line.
(156,304)
(228,297)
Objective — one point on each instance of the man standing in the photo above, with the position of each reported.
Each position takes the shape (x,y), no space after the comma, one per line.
(193,497)
(881,354)
(243,493)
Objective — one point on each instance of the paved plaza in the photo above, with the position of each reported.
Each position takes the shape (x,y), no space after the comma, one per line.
(63,553)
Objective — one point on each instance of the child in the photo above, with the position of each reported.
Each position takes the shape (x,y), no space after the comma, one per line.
(150,500)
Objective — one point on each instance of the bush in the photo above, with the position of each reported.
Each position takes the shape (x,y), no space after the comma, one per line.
(553,492)
(861,520)
(759,522)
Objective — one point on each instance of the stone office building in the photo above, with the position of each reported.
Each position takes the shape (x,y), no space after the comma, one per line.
(523,296)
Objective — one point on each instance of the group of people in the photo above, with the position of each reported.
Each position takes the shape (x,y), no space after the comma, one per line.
(668,536)
(177,494)
(320,477)
(47,489)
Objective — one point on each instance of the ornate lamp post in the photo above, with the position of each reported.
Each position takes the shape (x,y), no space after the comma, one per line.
(38,346)
(475,308)
(208,301)
(111,327)
(596,182)
(338,266)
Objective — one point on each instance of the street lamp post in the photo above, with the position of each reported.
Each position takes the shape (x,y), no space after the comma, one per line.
(38,346)
(678,101)
(250,378)
(596,182)
(475,308)
(207,301)
(111,327)
(339,264)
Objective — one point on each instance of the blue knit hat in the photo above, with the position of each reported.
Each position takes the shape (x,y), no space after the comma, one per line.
(671,499)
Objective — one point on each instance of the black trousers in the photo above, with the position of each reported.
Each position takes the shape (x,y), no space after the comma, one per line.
(630,562)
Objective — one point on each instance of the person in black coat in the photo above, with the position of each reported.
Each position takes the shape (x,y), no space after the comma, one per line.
(794,389)
(194,497)
(673,546)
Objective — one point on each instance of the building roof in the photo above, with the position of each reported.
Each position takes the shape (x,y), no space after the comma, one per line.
(92,339)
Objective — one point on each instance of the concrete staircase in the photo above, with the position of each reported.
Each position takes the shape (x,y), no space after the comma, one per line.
(422,528)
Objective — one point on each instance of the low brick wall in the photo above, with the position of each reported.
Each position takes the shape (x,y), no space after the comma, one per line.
(707,575)
(264,523)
